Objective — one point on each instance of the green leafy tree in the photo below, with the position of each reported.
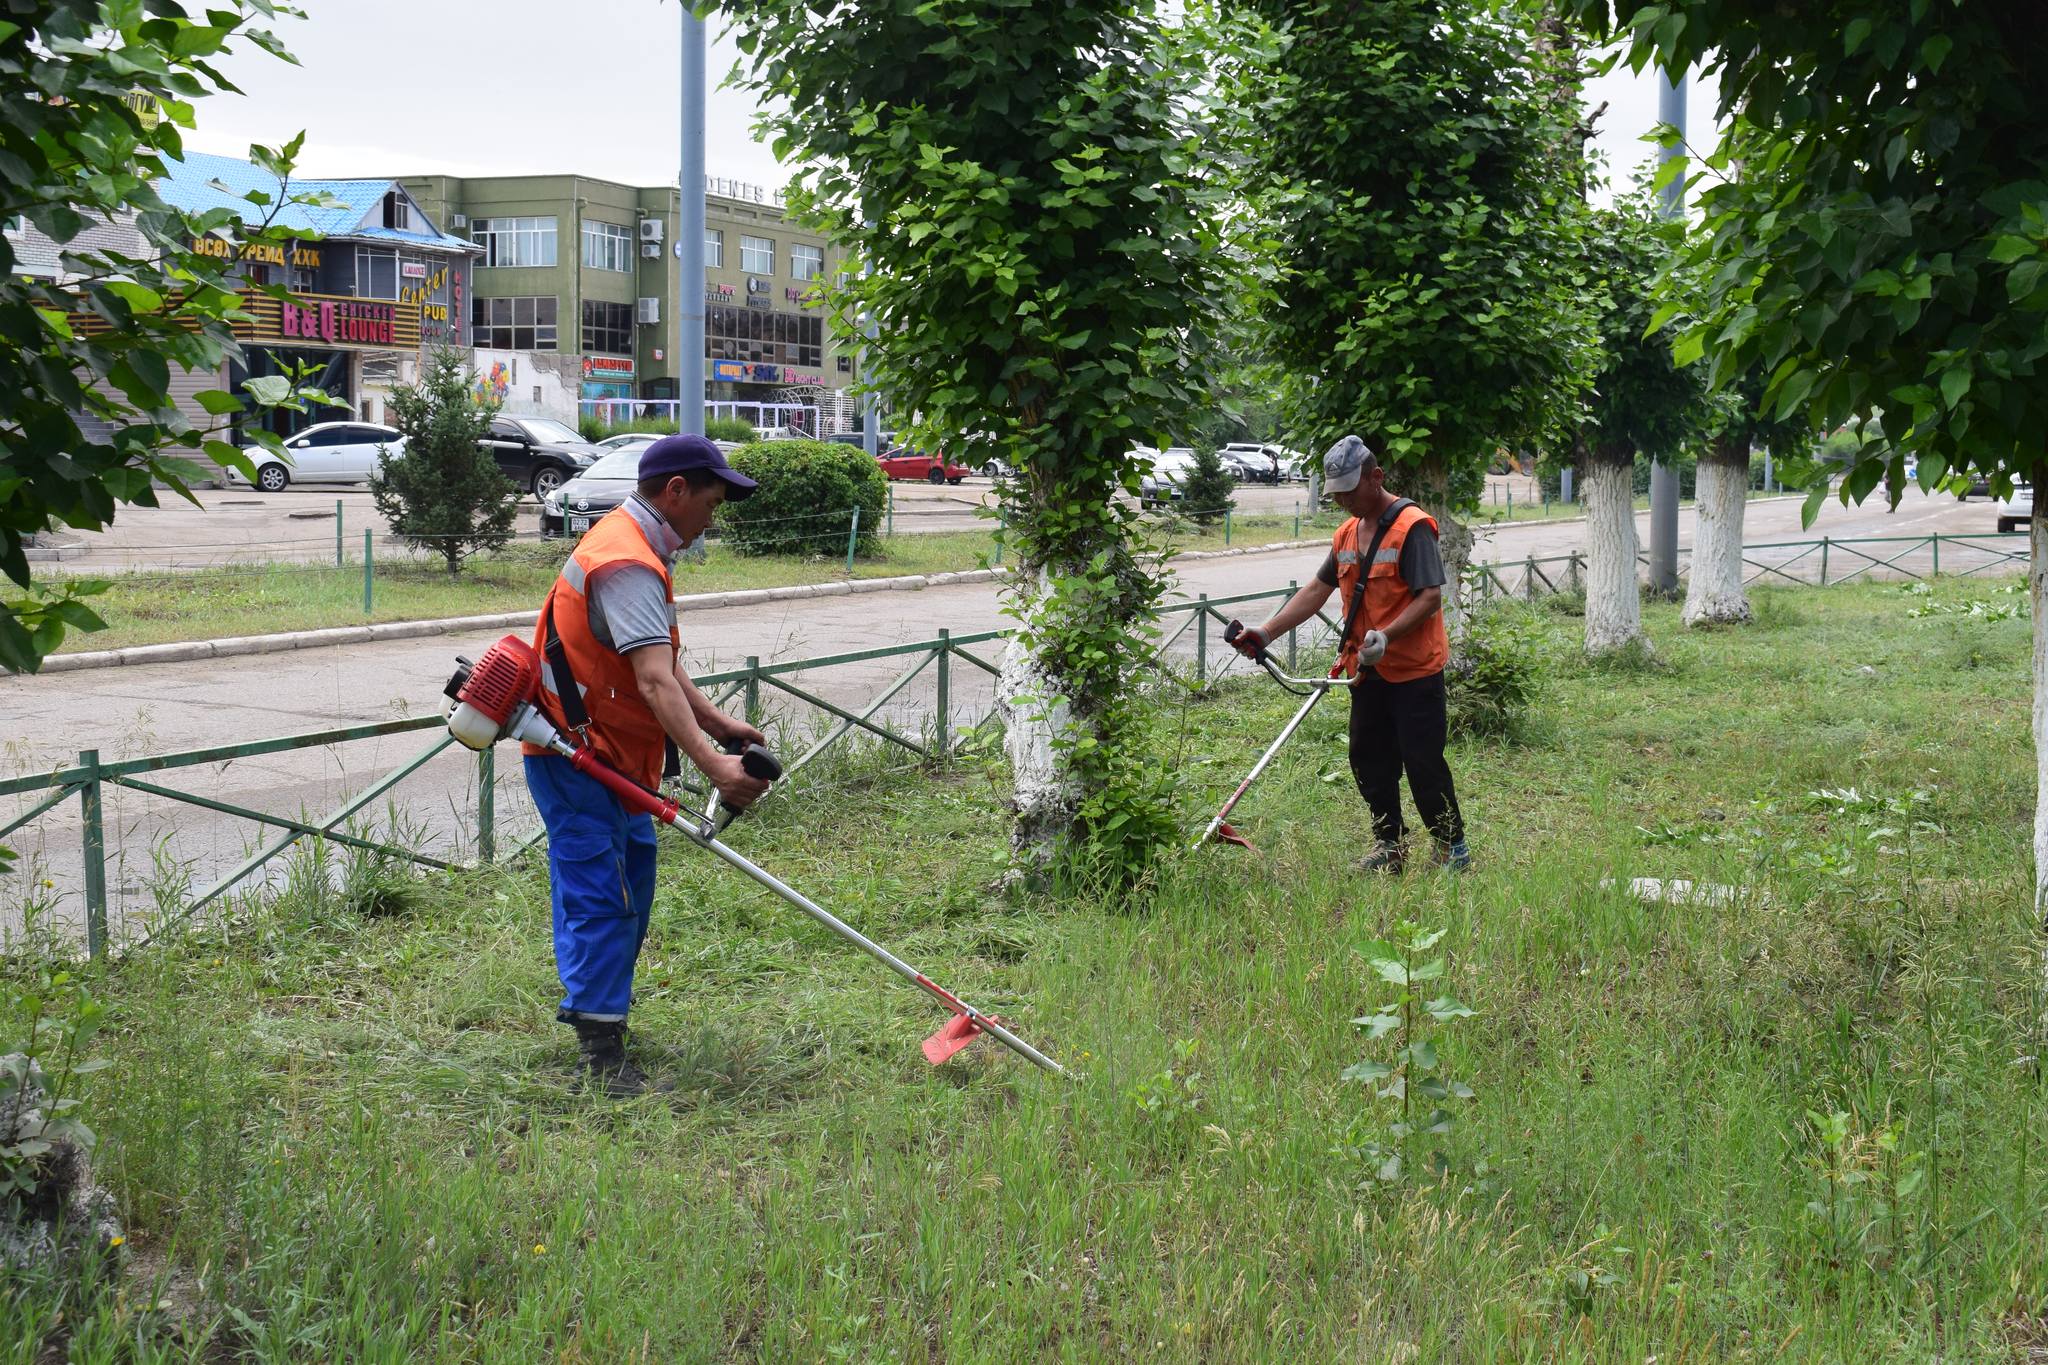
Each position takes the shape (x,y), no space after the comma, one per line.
(1022,185)
(444,491)
(1207,491)
(93,97)
(1642,401)
(1885,245)
(1419,285)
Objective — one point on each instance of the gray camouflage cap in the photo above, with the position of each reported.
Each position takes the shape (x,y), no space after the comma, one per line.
(1346,463)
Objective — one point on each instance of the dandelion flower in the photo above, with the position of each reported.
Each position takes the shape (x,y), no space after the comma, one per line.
(116,1241)
(540,1248)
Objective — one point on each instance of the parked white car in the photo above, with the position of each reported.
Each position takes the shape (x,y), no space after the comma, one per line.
(327,452)
(1161,481)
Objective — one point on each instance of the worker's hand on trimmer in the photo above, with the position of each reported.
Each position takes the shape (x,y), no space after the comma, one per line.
(1372,648)
(735,787)
(1250,642)
(738,735)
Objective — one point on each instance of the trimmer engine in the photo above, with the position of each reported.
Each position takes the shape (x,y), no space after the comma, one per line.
(497,698)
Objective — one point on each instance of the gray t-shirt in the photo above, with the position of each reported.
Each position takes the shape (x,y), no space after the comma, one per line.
(629,607)
(1422,563)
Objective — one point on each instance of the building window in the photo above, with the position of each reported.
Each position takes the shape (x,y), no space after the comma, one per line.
(757,255)
(376,273)
(735,333)
(714,249)
(806,262)
(607,246)
(512,324)
(607,328)
(515,241)
(397,212)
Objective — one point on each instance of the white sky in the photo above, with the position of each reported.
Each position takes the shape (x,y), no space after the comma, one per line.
(400,87)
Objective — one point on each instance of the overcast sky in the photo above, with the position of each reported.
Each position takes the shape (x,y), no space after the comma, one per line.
(398,87)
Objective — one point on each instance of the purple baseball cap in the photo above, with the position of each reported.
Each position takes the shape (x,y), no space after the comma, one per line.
(678,454)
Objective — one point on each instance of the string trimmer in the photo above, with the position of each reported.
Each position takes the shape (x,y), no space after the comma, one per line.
(496,698)
(1315,689)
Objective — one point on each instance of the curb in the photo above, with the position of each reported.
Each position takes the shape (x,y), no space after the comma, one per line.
(188,651)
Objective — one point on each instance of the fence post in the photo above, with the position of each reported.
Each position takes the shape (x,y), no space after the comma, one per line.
(890,528)
(1823,561)
(1226,526)
(1511,502)
(1936,573)
(1293,587)
(486,806)
(1002,526)
(945,689)
(337,533)
(753,692)
(852,539)
(95,855)
(369,578)
(1575,568)
(1297,518)
(1529,578)
(1202,638)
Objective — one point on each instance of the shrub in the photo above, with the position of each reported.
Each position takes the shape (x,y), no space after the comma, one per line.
(1499,673)
(1207,491)
(729,429)
(808,493)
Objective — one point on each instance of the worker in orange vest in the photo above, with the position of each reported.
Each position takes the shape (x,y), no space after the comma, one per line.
(612,674)
(1385,564)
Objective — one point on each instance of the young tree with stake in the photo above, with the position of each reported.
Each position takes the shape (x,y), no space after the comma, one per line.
(444,492)
(1021,182)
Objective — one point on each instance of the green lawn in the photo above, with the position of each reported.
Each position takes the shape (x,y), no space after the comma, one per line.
(147,608)
(353,1135)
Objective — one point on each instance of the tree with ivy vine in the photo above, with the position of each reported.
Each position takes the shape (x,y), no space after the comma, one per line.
(1018,186)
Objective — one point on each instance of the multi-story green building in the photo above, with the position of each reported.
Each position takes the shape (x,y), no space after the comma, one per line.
(577,282)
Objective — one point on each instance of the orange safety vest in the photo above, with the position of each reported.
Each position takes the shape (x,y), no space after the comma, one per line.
(1423,650)
(623,729)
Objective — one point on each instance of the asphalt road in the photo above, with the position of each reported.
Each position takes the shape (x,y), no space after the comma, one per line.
(130,712)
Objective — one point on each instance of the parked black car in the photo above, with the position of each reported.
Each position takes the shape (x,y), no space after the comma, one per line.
(539,453)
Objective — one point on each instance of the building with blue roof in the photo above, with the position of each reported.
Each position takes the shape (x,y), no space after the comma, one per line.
(374,280)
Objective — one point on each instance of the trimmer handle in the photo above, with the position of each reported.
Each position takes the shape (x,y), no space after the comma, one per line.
(1235,629)
(758,762)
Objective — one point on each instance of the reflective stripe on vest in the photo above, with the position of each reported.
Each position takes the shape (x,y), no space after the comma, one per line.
(623,730)
(1422,651)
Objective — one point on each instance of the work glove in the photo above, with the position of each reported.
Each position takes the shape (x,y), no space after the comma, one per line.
(1372,648)
(1250,642)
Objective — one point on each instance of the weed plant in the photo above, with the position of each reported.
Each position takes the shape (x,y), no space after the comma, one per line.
(1797,1125)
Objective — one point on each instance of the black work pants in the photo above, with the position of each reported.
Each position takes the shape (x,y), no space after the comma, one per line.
(1397,727)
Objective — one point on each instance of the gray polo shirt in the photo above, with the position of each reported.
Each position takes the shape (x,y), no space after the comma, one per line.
(629,607)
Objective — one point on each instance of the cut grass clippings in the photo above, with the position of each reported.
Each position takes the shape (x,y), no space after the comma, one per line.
(1801,1126)
(147,608)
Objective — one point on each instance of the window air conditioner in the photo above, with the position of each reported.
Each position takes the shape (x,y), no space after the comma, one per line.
(650,251)
(649,311)
(460,220)
(650,229)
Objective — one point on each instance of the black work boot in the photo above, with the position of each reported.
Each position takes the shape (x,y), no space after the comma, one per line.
(601,1052)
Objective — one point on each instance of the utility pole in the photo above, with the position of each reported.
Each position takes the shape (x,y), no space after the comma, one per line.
(690,231)
(1663,478)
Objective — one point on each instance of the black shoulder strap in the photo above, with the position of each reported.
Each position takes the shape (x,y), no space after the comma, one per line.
(558,664)
(1357,604)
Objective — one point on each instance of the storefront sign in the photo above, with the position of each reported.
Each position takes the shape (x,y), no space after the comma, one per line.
(326,320)
(730,371)
(805,297)
(753,372)
(718,293)
(607,367)
(413,270)
(300,256)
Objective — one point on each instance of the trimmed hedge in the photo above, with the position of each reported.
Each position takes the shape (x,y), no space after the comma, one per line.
(805,504)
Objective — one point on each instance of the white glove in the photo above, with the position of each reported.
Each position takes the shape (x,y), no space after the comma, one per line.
(1372,648)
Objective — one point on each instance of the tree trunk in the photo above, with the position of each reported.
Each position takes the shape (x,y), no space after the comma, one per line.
(1714,595)
(1614,604)
(1044,794)
(1454,543)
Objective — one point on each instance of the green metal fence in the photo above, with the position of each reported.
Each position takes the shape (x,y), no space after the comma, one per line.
(754,682)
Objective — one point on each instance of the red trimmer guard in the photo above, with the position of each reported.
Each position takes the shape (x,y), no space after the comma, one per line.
(1229,835)
(959,1031)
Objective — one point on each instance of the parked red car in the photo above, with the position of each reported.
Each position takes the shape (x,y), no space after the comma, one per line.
(906,463)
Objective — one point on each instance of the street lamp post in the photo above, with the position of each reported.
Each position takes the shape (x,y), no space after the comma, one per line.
(689,251)
(1663,477)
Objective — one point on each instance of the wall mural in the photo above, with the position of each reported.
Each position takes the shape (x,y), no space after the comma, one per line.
(493,384)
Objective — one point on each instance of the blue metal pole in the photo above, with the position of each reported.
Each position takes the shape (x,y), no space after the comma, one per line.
(1663,477)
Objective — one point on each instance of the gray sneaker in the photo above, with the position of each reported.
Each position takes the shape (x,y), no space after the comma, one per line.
(1451,857)
(1387,858)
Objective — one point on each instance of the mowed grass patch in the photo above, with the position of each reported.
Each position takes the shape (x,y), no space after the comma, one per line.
(148,607)
(358,1134)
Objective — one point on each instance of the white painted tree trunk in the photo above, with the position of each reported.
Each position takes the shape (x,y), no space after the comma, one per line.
(1714,595)
(2037,597)
(1034,714)
(1614,603)
(1454,545)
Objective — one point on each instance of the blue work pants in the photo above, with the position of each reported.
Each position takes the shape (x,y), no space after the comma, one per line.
(601,870)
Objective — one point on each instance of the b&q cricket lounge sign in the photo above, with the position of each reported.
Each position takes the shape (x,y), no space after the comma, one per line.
(331,321)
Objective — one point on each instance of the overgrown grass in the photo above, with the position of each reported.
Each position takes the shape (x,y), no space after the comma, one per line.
(1798,1126)
(155,607)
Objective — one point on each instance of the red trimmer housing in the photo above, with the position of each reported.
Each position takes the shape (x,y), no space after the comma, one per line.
(494,697)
